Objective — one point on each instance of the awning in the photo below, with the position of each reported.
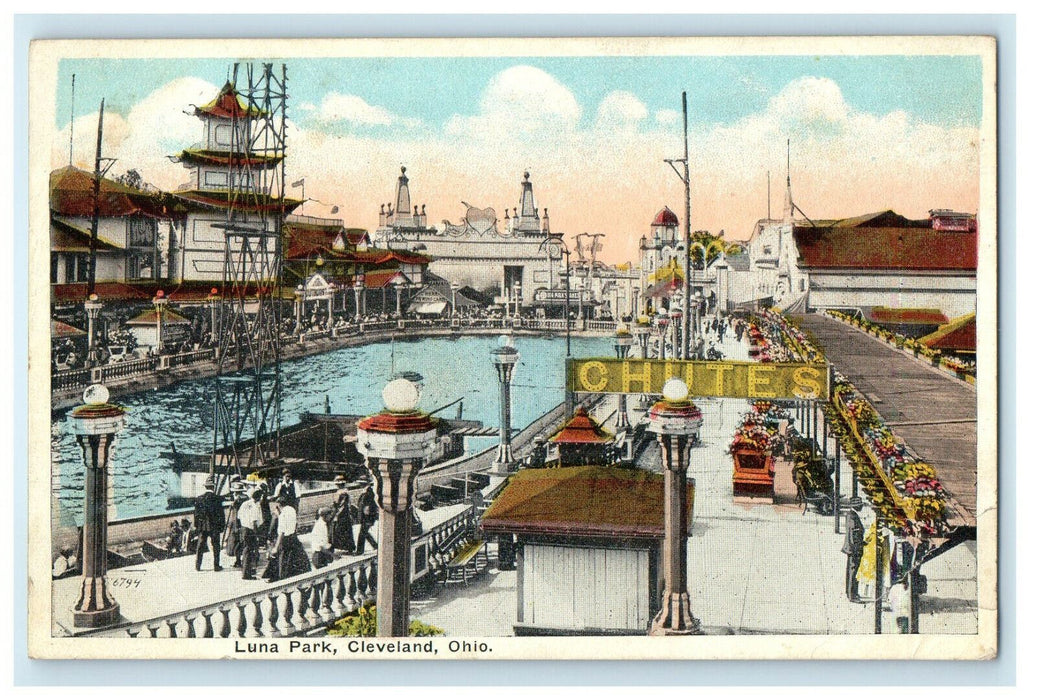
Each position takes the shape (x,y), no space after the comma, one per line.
(430,308)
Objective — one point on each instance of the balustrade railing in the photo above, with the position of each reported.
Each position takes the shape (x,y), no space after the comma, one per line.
(295,606)
(187,358)
(128,368)
(69,379)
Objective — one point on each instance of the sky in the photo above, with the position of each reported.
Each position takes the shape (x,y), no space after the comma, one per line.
(867,133)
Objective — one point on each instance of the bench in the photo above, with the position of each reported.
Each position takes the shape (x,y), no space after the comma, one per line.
(467,555)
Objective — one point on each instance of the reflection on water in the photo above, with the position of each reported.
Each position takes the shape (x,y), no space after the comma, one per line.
(352,378)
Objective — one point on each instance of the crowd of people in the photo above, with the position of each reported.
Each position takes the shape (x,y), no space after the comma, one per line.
(259,523)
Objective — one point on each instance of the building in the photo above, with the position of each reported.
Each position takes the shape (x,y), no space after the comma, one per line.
(578,531)
(506,258)
(226,172)
(133,230)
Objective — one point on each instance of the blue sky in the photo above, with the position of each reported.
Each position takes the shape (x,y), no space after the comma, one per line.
(868,133)
(944,90)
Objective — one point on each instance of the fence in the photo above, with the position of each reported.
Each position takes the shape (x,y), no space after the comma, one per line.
(293,607)
(78,379)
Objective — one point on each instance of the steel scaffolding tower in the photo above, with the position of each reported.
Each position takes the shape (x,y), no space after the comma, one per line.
(247,425)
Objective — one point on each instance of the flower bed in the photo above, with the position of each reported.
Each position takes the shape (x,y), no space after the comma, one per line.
(905,492)
(779,340)
(901,341)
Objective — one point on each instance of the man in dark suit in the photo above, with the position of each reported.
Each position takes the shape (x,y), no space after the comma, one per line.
(209,521)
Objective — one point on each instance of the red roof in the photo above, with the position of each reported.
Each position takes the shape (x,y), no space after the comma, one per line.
(885,248)
(884,314)
(59,329)
(309,240)
(356,236)
(149,317)
(665,217)
(72,194)
(66,238)
(227,105)
(958,335)
(105,291)
(376,279)
(581,429)
(588,500)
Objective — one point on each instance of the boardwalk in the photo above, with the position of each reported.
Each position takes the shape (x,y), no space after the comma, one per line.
(933,413)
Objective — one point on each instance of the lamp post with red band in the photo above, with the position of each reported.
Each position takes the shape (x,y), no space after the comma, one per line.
(395,444)
(96,424)
(676,422)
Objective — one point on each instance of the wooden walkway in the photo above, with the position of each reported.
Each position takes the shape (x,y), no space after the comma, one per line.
(933,413)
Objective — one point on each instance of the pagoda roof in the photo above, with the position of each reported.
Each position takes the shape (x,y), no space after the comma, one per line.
(959,334)
(149,317)
(582,429)
(219,199)
(227,105)
(589,501)
(203,156)
(72,194)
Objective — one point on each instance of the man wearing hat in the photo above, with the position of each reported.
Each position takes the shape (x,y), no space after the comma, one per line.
(250,515)
(209,521)
(288,488)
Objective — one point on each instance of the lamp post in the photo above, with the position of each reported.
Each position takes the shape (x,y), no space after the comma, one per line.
(454,287)
(358,289)
(504,359)
(675,323)
(518,298)
(96,424)
(214,298)
(622,344)
(93,308)
(557,240)
(160,303)
(662,321)
(676,422)
(395,445)
(299,296)
(398,285)
(696,307)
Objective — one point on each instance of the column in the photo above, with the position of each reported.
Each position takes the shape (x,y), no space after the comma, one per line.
(96,424)
(676,421)
(504,359)
(93,311)
(395,445)
(160,303)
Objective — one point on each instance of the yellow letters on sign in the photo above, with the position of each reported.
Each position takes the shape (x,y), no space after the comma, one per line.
(735,379)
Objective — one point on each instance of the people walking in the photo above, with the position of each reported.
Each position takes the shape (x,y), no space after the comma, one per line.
(368,508)
(288,558)
(853,548)
(342,519)
(232,538)
(288,487)
(210,522)
(250,516)
(320,544)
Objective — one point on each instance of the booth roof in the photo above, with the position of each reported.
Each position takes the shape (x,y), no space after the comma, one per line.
(589,501)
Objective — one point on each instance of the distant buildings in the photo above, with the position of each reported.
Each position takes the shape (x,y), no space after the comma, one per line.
(482,252)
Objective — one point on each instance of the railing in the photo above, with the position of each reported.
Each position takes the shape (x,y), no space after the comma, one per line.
(69,379)
(77,379)
(293,607)
(129,368)
(187,358)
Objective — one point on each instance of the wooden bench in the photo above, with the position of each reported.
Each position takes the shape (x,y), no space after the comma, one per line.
(467,555)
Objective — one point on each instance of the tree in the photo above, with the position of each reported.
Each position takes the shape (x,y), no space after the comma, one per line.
(132,178)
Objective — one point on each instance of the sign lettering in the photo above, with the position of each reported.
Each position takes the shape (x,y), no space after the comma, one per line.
(749,380)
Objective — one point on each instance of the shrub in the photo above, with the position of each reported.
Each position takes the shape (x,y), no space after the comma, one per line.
(363,622)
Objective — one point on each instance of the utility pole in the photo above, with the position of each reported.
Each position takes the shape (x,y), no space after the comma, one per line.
(92,277)
(686,179)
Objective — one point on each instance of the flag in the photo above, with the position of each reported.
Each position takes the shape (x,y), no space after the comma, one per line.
(299,182)
(334,210)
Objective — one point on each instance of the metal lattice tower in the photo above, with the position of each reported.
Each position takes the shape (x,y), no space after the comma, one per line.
(247,426)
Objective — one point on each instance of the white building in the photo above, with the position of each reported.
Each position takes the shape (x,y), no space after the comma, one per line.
(506,257)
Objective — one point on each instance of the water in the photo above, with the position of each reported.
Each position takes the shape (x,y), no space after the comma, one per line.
(352,378)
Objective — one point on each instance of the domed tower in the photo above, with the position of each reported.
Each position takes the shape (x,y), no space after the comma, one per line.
(664,228)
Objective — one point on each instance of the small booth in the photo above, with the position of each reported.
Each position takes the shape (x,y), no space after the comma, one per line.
(761,434)
(581,441)
(588,548)
(155,329)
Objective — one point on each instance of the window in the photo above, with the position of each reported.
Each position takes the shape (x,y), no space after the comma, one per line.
(54,258)
(802,285)
(223,134)
(142,232)
(215,178)
(767,250)
(140,265)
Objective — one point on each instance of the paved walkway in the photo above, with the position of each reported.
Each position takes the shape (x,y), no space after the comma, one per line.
(933,413)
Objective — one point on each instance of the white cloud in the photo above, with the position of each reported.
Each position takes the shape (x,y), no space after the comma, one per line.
(844,162)
(354,109)
(621,110)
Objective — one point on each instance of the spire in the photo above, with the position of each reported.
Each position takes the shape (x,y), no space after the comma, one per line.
(787,212)
(402,193)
